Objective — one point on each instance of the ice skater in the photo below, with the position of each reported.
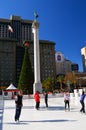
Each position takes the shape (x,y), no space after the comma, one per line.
(19,104)
(67,100)
(46,99)
(37,100)
(82,97)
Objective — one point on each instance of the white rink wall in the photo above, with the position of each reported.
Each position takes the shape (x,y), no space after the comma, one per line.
(76,93)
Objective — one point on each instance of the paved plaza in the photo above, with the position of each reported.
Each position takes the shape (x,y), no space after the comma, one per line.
(53,118)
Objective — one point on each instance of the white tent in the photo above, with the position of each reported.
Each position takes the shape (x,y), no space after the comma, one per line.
(11,87)
(10,91)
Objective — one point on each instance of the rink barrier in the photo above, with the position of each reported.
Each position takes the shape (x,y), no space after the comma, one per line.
(50,95)
(42,96)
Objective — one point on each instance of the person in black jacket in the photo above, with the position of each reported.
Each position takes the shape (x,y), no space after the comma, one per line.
(19,104)
(46,99)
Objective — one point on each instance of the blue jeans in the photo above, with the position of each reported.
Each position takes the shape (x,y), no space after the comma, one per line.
(67,104)
(83,107)
(18,112)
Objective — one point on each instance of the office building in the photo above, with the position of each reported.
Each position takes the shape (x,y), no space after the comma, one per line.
(83,53)
(74,67)
(12,51)
(64,65)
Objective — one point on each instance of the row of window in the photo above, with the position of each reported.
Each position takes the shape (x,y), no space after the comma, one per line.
(24,33)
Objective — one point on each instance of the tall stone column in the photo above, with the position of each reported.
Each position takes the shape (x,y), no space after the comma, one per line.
(37,86)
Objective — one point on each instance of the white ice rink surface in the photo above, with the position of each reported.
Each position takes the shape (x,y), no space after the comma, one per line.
(53,118)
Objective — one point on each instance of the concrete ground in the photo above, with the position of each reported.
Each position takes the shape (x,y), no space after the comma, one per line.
(52,118)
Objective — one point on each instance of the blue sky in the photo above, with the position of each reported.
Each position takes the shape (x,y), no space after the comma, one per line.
(61,21)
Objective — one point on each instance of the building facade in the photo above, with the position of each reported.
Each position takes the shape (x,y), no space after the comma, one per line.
(12,51)
(22,29)
(83,53)
(64,65)
(7,61)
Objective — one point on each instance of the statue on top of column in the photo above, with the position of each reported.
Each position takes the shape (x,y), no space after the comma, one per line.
(35,15)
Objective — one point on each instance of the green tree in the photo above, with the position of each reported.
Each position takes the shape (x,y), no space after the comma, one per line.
(48,84)
(60,79)
(71,77)
(26,75)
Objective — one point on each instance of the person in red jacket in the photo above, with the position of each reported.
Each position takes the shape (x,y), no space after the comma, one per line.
(37,99)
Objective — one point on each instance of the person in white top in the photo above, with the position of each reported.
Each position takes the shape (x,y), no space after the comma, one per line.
(67,100)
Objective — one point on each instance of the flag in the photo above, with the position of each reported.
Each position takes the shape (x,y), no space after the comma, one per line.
(10,28)
(35,14)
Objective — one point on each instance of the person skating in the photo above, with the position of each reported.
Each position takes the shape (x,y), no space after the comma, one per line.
(37,99)
(46,99)
(82,97)
(19,104)
(67,101)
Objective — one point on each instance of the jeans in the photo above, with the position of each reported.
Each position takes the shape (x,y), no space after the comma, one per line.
(37,105)
(67,104)
(18,112)
(83,107)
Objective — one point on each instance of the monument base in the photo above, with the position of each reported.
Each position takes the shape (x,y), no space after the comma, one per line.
(37,87)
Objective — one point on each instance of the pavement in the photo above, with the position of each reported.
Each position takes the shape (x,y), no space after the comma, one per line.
(52,118)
